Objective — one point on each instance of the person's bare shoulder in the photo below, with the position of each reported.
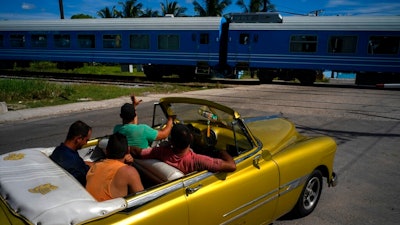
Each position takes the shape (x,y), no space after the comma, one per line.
(128,172)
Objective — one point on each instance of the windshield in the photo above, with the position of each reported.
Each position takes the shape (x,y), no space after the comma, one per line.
(213,127)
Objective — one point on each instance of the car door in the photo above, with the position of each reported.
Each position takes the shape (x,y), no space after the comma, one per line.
(246,196)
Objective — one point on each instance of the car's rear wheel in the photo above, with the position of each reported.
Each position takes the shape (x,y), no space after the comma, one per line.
(310,194)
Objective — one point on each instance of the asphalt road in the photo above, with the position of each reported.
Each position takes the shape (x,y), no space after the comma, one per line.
(364,122)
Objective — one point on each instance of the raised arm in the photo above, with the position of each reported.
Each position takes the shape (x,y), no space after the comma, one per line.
(164,133)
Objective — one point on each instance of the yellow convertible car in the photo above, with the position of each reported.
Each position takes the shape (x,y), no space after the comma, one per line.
(279,171)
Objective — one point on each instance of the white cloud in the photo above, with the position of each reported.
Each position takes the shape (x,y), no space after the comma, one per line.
(339,3)
(27,6)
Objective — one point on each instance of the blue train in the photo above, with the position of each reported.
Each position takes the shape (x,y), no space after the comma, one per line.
(264,44)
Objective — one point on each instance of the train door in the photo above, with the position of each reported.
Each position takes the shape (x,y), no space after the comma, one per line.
(243,44)
(203,49)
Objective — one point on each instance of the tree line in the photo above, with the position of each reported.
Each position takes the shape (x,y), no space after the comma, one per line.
(133,9)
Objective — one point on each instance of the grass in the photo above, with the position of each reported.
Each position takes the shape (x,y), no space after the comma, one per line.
(18,93)
(87,68)
(32,93)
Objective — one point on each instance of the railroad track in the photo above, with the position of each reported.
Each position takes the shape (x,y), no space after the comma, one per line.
(112,79)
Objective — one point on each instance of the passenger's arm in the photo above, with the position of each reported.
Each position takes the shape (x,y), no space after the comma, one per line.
(164,133)
(135,151)
(134,183)
(228,164)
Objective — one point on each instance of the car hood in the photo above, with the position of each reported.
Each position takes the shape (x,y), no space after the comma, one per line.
(273,132)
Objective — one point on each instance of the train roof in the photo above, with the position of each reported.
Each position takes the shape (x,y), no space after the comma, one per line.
(349,23)
(156,23)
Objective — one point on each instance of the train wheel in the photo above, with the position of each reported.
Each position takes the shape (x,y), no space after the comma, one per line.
(266,76)
(307,77)
(152,73)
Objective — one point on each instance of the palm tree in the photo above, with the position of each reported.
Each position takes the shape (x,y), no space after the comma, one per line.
(212,7)
(81,16)
(150,13)
(256,6)
(172,8)
(267,6)
(108,13)
(130,9)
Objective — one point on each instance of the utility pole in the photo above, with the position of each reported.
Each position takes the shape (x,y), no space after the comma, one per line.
(316,12)
(60,3)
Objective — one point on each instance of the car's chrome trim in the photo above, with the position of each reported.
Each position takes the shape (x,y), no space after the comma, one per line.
(283,189)
(271,196)
(144,198)
(252,202)
(253,119)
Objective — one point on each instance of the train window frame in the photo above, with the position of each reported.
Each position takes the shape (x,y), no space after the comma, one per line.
(244,38)
(89,41)
(62,40)
(17,40)
(168,42)
(342,44)
(383,45)
(308,43)
(39,40)
(112,41)
(139,41)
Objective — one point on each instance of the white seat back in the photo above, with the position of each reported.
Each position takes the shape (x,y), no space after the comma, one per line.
(157,171)
(43,193)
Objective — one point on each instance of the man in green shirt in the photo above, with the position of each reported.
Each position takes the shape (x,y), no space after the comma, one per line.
(139,135)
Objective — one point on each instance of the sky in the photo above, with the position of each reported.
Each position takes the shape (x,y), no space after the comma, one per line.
(49,9)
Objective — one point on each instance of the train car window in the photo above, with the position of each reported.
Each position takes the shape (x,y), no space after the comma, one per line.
(86,41)
(342,44)
(383,45)
(62,40)
(303,43)
(204,39)
(140,41)
(112,41)
(39,40)
(168,42)
(1,41)
(17,40)
(244,38)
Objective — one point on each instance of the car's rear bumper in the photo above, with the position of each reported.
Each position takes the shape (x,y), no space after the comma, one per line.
(333,182)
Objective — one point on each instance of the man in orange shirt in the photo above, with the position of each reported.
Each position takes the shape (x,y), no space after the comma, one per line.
(111,177)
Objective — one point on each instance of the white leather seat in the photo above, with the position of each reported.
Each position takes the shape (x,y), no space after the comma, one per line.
(157,171)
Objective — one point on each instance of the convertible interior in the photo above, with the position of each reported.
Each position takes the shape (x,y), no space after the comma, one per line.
(67,201)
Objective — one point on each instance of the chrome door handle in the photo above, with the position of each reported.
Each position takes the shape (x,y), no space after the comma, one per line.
(193,190)
(256,161)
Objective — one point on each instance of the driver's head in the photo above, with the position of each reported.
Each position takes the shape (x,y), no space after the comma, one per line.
(180,136)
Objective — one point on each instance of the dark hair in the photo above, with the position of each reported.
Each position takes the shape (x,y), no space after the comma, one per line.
(128,112)
(180,136)
(78,129)
(117,146)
